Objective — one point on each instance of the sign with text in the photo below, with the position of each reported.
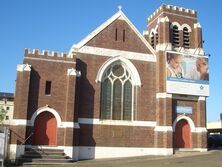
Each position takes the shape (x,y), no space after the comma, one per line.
(187,74)
(183,110)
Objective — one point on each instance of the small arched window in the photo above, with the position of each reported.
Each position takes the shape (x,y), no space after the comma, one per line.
(175,37)
(186,38)
(116,93)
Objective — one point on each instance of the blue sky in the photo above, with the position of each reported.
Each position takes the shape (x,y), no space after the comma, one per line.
(57,24)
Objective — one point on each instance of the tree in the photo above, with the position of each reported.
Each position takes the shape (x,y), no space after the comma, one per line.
(3,113)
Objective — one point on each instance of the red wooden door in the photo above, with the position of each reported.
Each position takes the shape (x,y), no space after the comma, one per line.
(45,129)
(182,135)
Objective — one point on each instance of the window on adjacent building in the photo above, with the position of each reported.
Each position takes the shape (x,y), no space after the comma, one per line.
(7,108)
(48,87)
(186,38)
(6,117)
(175,37)
(116,94)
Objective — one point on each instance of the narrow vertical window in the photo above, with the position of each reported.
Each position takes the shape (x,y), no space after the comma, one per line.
(48,88)
(186,38)
(157,37)
(152,40)
(176,39)
(124,35)
(116,34)
(127,103)
(106,99)
(117,106)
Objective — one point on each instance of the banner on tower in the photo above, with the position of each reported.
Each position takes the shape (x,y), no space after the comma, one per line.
(187,74)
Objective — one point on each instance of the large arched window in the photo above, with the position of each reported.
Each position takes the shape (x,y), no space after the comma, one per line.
(116,93)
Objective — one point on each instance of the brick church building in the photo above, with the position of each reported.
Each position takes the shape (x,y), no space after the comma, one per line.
(110,95)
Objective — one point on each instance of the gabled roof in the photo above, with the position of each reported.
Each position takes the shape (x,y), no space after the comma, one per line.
(118,15)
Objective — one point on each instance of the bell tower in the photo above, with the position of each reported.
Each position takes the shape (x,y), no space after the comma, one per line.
(176,30)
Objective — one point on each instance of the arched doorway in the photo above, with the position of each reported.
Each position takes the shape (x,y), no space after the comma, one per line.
(182,135)
(45,129)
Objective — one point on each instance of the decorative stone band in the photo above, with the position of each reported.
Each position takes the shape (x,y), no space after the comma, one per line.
(73,72)
(163,129)
(91,121)
(23,122)
(163,95)
(112,53)
(23,67)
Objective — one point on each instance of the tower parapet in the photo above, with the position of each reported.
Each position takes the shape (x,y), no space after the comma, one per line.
(172,9)
(36,53)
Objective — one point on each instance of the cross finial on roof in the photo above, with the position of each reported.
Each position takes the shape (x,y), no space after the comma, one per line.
(120,7)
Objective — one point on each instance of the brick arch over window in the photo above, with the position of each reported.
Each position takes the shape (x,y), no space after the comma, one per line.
(189,120)
(136,81)
(43,109)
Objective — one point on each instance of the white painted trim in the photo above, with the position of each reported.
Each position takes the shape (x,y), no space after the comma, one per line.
(114,152)
(24,122)
(197,25)
(43,109)
(70,125)
(189,120)
(119,14)
(113,53)
(175,24)
(163,95)
(73,72)
(23,67)
(194,18)
(16,151)
(162,19)
(191,123)
(202,98)
(192,149)
(187,26)
(95,121)
(136,81)
(50,60)
(189,51)
(15,122)
(163,46)
(200,130)
(163,129)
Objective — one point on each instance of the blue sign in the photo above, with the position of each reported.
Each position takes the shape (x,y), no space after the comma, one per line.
(184,110)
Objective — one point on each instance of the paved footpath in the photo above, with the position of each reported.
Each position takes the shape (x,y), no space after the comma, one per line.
(211,158)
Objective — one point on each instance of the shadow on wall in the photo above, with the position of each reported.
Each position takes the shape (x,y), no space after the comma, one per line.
(85,109)
(33,102)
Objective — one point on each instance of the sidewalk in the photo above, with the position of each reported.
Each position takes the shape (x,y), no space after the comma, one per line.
(203,159)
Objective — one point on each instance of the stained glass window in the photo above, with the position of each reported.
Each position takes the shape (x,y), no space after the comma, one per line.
(116,93)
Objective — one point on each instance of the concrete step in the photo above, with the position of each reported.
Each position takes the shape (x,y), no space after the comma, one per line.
(43,161)
(44,156)
(44,153)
